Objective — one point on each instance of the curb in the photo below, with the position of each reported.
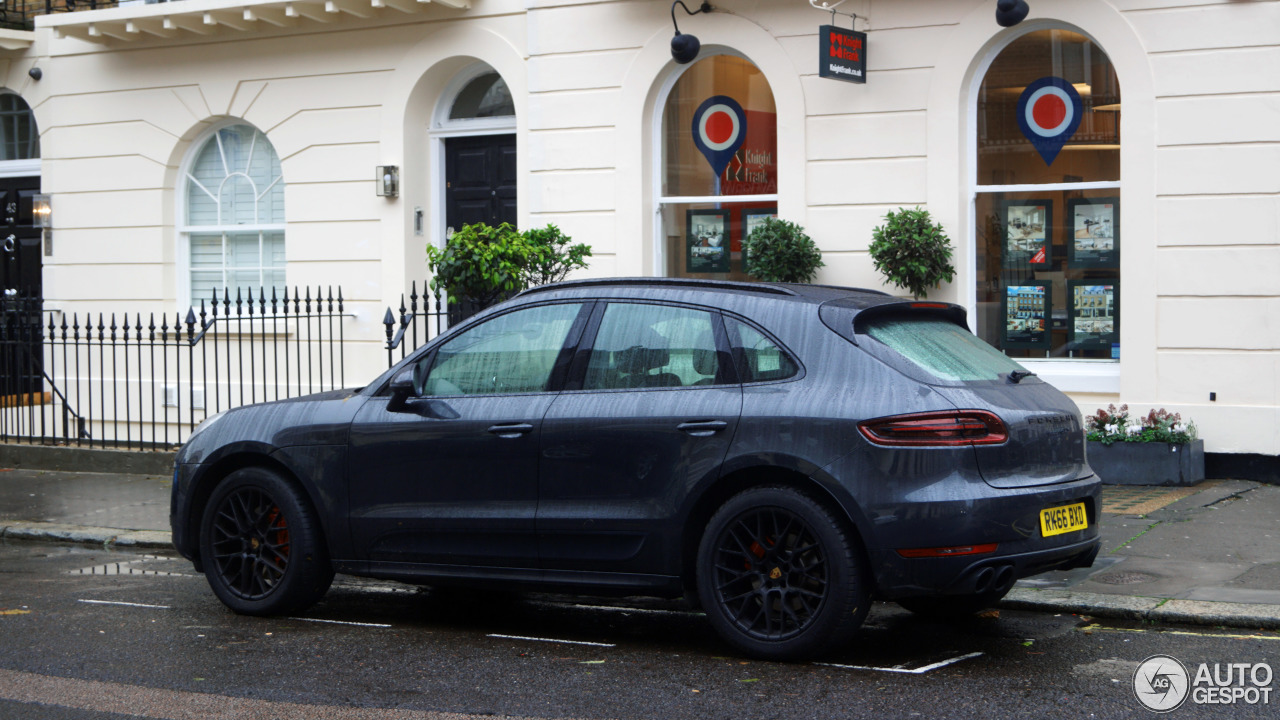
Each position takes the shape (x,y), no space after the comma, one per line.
(1151,609)
(152,539)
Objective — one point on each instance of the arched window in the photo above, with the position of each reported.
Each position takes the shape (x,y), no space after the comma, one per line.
(1047,199)
(19,139)
(718,175)
(485,96)
(235,214)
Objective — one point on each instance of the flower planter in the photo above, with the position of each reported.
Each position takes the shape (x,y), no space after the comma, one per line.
(1149,463)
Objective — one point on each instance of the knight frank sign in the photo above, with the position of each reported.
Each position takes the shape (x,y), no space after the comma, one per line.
(842,54)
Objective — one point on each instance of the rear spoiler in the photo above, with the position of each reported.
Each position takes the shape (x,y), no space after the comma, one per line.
(952,313)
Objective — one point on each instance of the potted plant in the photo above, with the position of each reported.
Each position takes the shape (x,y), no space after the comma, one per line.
(1158,449)
(912,251)
(780,251)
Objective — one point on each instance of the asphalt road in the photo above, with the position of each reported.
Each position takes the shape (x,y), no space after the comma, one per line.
(96,634)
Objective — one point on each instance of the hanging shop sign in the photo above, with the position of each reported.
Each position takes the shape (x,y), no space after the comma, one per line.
(842,54)
(1049,113)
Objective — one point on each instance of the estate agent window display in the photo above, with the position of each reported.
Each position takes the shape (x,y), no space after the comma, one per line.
(719,166)
(1048,199)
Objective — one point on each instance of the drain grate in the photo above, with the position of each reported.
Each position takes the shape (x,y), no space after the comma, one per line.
(1124,578)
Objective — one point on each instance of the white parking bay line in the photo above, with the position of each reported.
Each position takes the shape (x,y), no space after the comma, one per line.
(341,622)
(551,640)
(125,604)
(908,671)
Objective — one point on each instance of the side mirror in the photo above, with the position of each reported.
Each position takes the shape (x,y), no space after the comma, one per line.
(402,388)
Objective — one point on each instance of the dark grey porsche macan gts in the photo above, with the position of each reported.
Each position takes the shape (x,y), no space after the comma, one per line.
(782,454)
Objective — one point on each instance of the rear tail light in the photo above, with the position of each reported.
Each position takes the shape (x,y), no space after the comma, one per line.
(960,427)
(948,551)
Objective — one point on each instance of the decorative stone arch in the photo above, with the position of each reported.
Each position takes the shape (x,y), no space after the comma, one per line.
(422,78)
(953,87)
(643,89)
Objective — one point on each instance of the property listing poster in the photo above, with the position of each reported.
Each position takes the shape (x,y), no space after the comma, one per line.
(1028,233)
(707,241)
(1026,316)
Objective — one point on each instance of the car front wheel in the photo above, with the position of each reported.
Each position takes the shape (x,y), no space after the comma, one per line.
(261,545)
(780,577)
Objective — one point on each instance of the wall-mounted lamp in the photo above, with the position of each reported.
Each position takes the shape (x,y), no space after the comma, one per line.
(684,48)
(388,181)
(1011,12)
(41,211)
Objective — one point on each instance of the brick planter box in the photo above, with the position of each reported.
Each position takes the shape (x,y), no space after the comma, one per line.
(1125,463)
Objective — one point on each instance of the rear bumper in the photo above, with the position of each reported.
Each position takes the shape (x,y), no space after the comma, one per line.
(994,573)
(1010,519)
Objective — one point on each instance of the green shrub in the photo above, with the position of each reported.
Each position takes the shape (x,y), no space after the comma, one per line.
(780,251)
(912,251)
(480,263)
(551,257)
(485,264)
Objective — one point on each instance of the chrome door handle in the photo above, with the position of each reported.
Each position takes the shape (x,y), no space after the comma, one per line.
(702,428)
(511,430)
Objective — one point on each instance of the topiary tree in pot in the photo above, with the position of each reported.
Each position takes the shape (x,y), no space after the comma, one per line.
(780,251)
(912,251)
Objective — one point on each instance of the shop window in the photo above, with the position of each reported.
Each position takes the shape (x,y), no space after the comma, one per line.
(235,215)
(719,166)
(1048,199)
(19,139)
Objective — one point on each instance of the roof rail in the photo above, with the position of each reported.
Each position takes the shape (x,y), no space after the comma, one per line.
(665,282)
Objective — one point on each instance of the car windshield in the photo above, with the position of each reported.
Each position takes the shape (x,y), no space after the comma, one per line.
(941,348)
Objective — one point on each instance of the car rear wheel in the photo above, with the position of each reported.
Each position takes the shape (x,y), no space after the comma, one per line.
(261,545)
(951,606)
(779,577)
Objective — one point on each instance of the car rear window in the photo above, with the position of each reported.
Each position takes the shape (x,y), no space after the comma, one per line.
(941,348)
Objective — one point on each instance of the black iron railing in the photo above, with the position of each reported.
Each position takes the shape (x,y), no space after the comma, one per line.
(21,14)
(125,380)
(416,324)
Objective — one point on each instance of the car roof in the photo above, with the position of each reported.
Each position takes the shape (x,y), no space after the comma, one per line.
(673,288)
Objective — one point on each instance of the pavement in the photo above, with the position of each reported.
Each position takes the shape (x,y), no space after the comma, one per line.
(1205,555)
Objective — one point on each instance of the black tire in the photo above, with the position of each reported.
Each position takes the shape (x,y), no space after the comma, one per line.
(261,545)
(779,577)
(950,607)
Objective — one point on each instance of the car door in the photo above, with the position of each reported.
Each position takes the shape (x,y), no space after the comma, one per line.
(650,410)
(450,474)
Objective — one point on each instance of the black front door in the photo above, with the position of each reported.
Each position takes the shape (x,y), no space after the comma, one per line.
(21,241)
(21,350)
(480,180)
(480,187)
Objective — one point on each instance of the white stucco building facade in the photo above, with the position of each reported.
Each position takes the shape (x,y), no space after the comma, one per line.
(1185,178)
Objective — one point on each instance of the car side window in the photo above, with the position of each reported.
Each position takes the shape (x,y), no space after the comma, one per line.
(641,346)
(758,358)
(512,353)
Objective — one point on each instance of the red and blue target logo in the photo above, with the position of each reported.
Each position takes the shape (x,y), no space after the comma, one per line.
(1049,113)
(719,129)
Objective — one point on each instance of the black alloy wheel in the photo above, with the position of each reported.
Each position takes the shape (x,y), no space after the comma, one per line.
(261,545)
(779,576)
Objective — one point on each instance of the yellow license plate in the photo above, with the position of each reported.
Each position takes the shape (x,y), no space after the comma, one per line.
(1065,519)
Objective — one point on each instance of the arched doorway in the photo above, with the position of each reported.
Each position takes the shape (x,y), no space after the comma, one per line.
(476,123)
(22,251)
